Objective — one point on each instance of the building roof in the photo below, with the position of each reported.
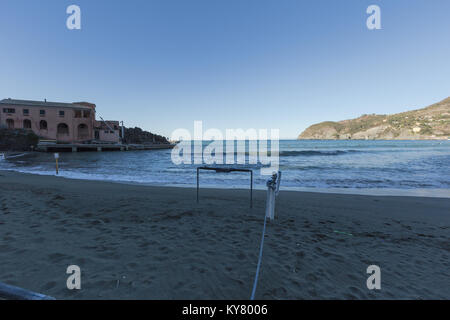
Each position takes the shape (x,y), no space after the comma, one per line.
(105,124)
(46,104)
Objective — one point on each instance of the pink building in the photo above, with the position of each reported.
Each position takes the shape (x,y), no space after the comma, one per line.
(62,122)
(108,131)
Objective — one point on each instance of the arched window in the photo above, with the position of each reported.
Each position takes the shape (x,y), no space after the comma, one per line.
(43,125)
(10,123)
(27,124)
(83,132)
(62,129)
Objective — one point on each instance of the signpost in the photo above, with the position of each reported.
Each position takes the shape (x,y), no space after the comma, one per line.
(56,159)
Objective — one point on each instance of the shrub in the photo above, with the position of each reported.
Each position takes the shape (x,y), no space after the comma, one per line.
(17,140)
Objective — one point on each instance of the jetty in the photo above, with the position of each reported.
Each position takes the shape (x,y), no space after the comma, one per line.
(99,147)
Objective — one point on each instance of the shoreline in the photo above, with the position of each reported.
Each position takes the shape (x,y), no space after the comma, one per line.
(145,242)
(427,193)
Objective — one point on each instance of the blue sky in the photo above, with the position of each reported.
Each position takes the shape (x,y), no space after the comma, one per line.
(280,64)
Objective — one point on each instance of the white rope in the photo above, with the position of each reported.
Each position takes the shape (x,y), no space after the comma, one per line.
(259,260)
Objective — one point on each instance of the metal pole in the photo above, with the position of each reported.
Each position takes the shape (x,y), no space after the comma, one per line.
(15,293)
(198,169)
(251,189)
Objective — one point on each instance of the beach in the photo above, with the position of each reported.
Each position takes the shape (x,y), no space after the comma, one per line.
(149,242)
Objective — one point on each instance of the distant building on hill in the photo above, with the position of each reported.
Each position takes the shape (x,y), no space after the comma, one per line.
(62,122)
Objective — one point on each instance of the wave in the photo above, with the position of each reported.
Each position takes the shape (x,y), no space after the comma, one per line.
(5,156)
(310,153)
(291,153)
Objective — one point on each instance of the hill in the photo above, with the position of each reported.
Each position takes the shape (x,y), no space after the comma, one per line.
(138,136)
(429,123)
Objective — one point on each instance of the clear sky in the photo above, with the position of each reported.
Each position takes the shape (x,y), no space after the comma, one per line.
(161,64)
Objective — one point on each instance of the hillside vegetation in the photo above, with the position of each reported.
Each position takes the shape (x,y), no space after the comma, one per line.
(432,122)
(138,136)
(17,140)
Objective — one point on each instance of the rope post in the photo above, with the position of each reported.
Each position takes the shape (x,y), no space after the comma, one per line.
(273,188)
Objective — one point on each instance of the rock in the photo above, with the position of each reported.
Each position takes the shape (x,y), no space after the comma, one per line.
(17,140)
(138,136)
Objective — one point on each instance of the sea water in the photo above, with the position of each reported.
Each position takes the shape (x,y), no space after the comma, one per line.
(337,166)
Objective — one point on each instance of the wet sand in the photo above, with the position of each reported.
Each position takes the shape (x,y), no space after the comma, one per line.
(140,242)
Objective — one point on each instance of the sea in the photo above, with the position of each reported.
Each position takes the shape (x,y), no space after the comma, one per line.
(361,167)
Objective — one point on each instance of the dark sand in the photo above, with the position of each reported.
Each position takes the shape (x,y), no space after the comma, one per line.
(138,242)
